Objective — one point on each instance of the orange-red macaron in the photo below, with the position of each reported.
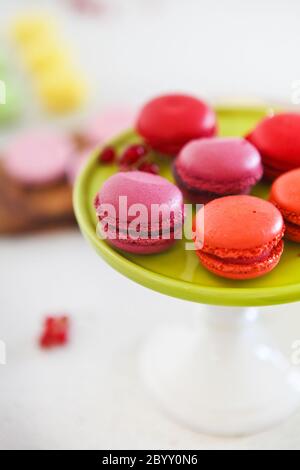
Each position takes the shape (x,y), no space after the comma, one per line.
(241,237)
(285,194)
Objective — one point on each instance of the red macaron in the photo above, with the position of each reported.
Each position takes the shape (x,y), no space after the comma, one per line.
(285,195)
(241,237)
(277,138)
(168,122)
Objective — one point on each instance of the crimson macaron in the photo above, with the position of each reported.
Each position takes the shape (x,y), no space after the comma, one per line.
(209,168)
(241,237)
(285,194)
(124,208)
(168,122)
(277,138)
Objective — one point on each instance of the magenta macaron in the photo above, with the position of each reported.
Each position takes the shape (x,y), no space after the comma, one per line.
(206,169)
(38,158)
(126,207)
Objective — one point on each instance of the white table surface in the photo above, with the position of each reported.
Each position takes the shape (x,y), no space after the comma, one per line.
(89,395)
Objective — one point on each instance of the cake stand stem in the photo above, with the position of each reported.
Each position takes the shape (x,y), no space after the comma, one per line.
(222,375)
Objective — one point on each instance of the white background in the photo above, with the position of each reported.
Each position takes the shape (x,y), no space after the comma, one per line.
(89,395)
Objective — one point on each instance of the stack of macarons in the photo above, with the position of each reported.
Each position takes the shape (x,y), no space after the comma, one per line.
(34,191)
(60,85)
(149,234)
(38,158)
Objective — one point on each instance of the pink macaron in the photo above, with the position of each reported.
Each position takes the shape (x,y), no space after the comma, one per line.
(127,207)
(38,158)
(207,169)
(108,124)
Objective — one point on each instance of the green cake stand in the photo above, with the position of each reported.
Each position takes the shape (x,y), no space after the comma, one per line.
(223,375)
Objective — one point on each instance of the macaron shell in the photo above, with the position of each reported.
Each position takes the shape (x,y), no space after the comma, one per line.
(142,247)
(278,139)
(219,165)
(244,224)
(242,272)
(141,188)
(38,158)
(173,120)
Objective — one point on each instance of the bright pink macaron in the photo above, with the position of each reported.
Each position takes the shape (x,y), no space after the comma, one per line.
(206,169)
(168,122)
(139,212)
(277,138)
(38,158)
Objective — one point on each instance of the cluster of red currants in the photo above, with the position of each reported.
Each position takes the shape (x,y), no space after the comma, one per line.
(134,157)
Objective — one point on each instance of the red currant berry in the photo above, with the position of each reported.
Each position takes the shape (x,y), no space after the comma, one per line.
(108,155)
(149,168)
(55,333)
(133,154)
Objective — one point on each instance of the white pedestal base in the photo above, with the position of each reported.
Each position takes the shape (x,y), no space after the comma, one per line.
(223,376)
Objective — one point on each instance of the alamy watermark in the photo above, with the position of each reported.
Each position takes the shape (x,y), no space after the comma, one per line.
(2,92)
(295,92)
(159,222)
(2,353)
(295,356)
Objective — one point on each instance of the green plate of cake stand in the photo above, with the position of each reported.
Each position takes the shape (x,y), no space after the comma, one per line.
(223,375)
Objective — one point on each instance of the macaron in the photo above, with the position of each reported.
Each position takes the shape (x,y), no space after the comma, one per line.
(239,237)
(108,124)
(285,195)
(44,56)
(127,208)
(37,158)
(169,122)
(30,28)
(62,90)
(277,138)
(206,169)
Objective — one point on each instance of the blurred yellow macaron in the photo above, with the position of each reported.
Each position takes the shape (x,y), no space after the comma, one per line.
(62,91)
(46,55)
(30,28)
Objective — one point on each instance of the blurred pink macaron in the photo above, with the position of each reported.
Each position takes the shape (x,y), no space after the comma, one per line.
(108,124)
(126,196)
(38,158)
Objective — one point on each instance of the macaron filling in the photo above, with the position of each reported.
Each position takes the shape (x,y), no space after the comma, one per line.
(214,190)
(243,266)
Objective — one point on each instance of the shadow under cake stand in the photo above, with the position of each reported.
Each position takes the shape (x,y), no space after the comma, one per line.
(223,375)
